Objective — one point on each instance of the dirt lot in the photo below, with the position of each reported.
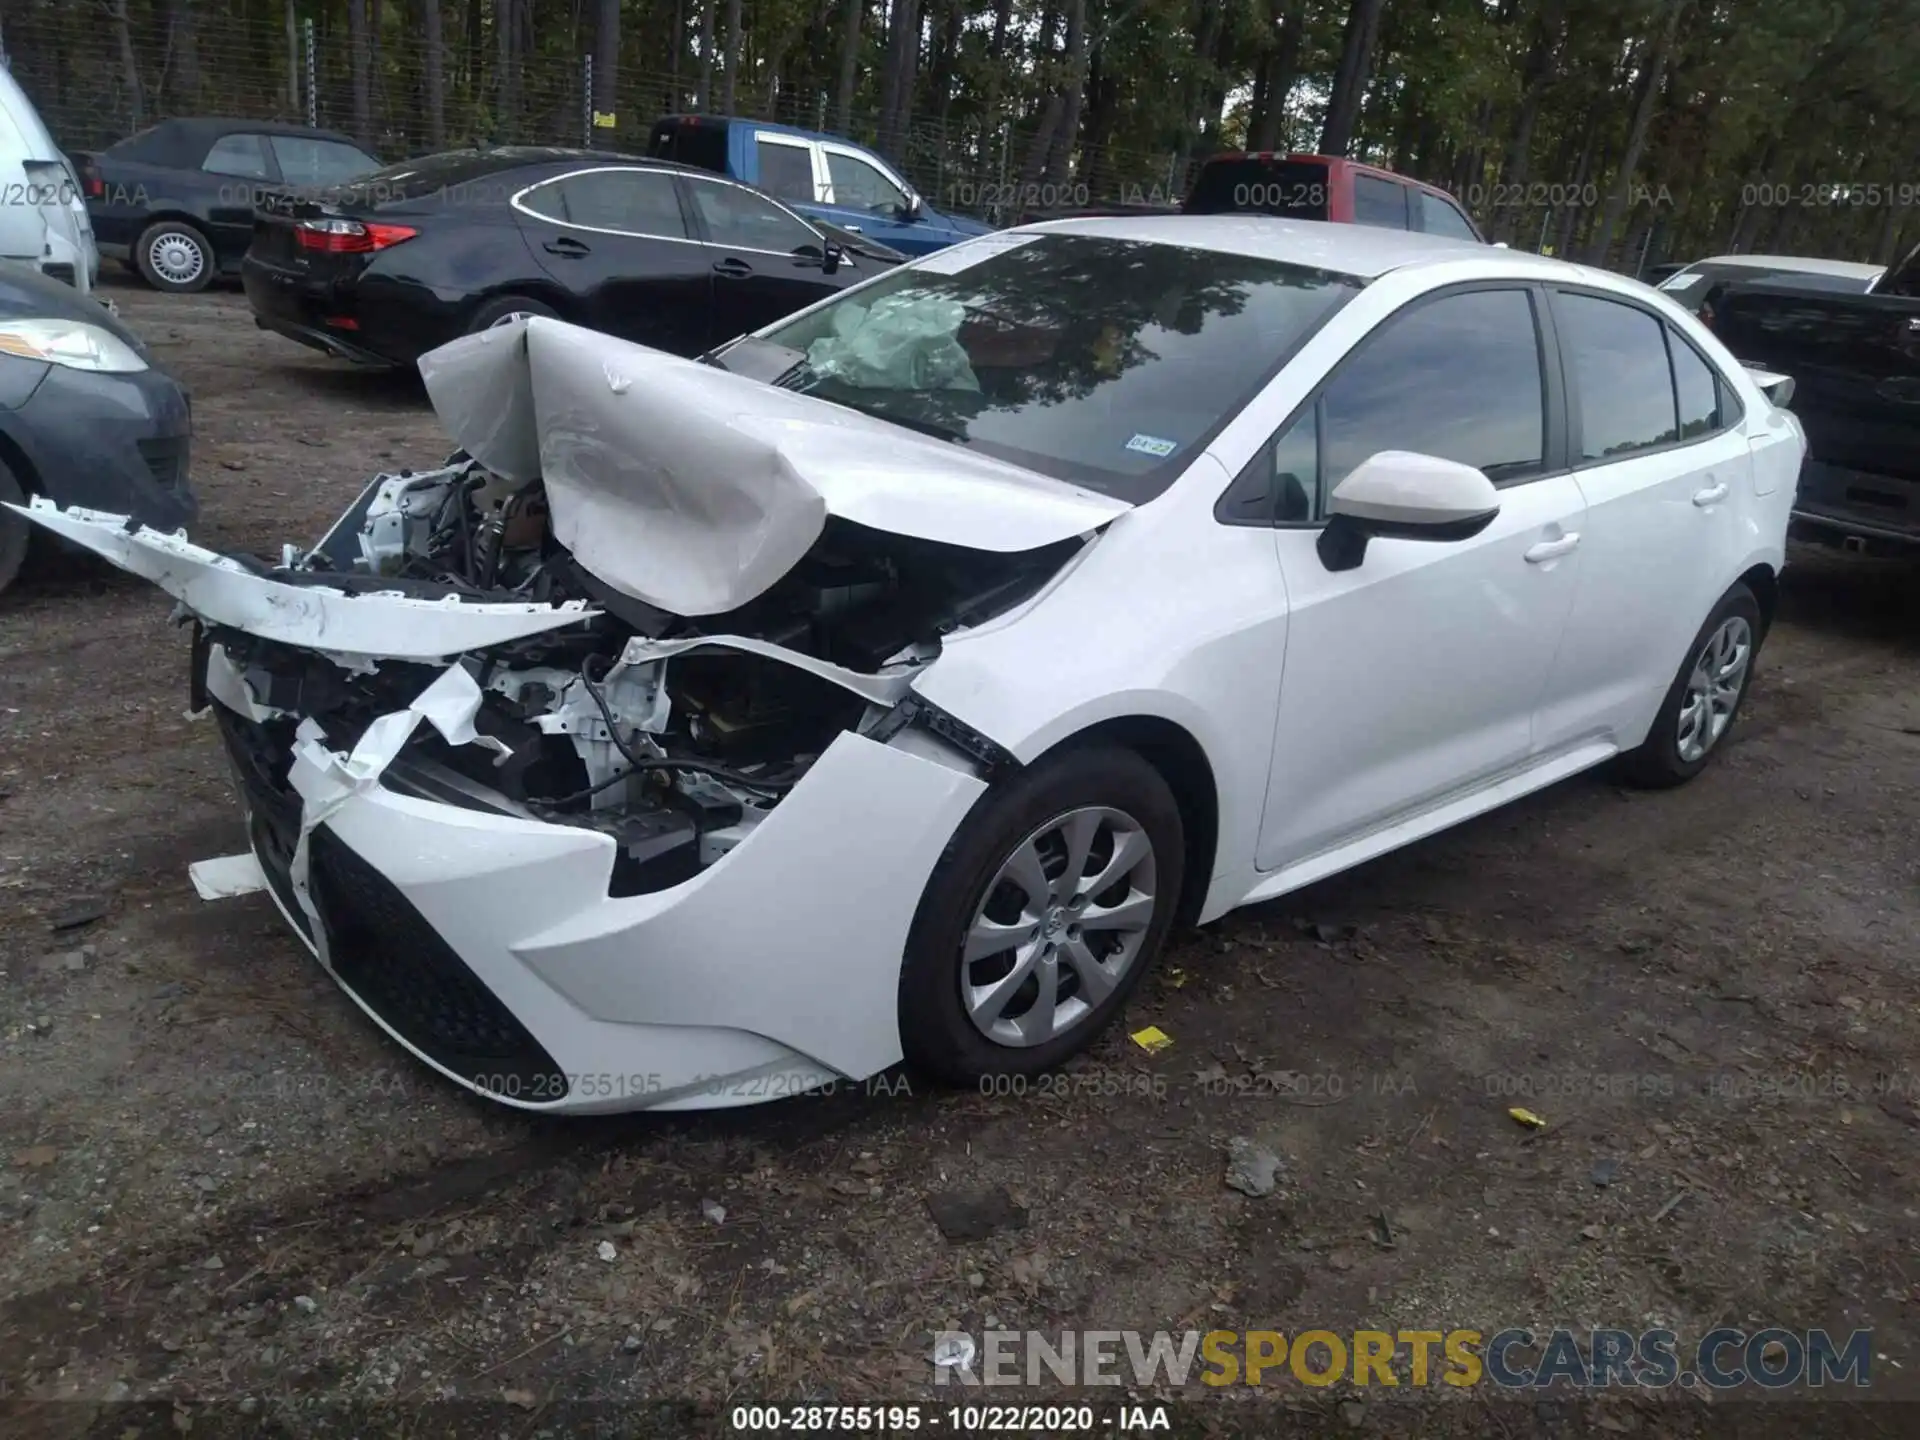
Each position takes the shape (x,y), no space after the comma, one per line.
(219,1183)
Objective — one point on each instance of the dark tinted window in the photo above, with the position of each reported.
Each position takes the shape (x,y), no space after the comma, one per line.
(1296,469)
(1697,387)
(738,218)
(241,155)
(1438,217)
(305,161)
(1617,365)
(1108,363)
(633,202)
(690,143)
(1379,202)
(1458,377)
(857,183)
(786,170)
(1296,189)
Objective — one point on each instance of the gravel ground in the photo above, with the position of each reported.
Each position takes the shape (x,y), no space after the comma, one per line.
(219,1183)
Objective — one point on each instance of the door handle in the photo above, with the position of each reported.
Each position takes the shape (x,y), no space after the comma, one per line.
(566,245)
(1553,549)
(1712,495)
(854,228)
(732,269)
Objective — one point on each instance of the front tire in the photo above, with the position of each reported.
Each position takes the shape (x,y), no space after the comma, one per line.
(1042,917)
(174,256)
(15,530)
(1704,699)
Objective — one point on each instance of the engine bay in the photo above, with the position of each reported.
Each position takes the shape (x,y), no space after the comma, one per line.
(674,736)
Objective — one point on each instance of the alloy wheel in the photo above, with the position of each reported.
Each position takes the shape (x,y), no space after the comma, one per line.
(1713,688)
(1062,921)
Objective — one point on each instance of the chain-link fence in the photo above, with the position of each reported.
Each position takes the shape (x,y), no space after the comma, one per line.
(96,78)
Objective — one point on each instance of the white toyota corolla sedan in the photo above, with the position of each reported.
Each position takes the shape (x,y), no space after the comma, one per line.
(892,682)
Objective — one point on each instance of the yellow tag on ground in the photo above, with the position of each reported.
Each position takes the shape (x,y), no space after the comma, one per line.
(1152,1039)
(1527,1118)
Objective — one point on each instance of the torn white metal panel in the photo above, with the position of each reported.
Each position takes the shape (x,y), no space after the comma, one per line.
(226,684)
(227,876)
(694,490)
(222,591)
(884,690)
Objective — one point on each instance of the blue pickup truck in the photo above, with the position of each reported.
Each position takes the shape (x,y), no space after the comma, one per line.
(821,176)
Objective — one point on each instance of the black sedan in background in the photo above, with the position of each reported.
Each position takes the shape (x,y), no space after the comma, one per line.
(85,416)
(175,202)
(675,257)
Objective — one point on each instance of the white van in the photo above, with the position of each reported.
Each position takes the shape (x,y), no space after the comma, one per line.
(43,215)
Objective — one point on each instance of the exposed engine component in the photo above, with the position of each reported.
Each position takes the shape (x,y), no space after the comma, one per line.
(678,757)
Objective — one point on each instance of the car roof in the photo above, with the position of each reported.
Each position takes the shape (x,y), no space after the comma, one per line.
(1362,251)
(1805,264)
(1301,157)
(185,139)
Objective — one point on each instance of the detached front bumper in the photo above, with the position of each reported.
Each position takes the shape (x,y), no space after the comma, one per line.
(488,945)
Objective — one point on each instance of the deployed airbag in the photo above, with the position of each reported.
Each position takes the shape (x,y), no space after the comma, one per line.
(694,489)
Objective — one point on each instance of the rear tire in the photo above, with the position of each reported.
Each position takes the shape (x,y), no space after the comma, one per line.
(502,308)
(1083,950)
(15,530)
(174,256)
(1705,697)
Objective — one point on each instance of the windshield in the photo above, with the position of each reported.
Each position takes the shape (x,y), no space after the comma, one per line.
(1104,363)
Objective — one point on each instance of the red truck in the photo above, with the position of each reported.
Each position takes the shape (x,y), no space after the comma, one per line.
(1307,187)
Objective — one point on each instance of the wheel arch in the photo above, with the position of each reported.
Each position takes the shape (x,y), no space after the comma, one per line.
(1182,762)
(547,292)
(17,462)
(1764,581)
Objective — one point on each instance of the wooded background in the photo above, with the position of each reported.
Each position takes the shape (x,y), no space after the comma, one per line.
(1616,131)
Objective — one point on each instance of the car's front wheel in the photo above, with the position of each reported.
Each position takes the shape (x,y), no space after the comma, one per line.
(1705,696)
(1042,917)
(173,255)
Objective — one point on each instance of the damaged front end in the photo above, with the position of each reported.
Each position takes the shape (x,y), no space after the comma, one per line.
(423,707)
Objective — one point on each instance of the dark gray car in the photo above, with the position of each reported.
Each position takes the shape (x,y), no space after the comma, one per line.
(86,418)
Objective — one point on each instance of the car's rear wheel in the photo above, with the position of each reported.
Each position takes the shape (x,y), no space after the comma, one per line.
(173,255)
(15,529)
(1042,918)
(1705,696)
(504,310)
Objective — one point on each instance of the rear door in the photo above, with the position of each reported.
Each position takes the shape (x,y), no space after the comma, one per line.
(765,260)
(616,239)
(1380,202)
(240,169)
(1667,476)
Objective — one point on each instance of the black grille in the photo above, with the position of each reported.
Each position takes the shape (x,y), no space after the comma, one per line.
(166,461)
(261,756)
(384,951)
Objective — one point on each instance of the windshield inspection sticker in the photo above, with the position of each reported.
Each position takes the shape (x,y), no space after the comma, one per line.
(1153,445)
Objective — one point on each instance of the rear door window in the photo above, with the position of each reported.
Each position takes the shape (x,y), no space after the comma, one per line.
(1379,202)
(626,202)
(1621,378)
(786,170)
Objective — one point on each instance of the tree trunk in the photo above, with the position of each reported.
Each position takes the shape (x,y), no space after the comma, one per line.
(1059,165)
(1205,42)
(183,44)
(362,75)
(849,65)
(728,89)
(1570,217)
(1644,106)
(129,64)
(996,52)
(1350,80)
(1535,77)
(434,74)
(896,89)
(701,95)
(1278,72)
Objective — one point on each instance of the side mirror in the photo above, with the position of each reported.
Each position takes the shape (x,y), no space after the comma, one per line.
(914,209)
(1399,495)
(831,255)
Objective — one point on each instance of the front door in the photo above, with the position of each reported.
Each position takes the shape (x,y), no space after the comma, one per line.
(765,260)
(1414,677)
(615,238)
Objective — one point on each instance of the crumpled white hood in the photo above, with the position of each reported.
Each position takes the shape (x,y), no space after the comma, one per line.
(694,489)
